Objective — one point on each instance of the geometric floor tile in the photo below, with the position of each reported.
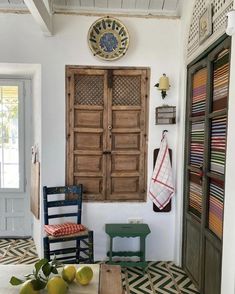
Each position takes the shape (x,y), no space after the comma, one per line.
(17,251)
(182,280)
(159,278)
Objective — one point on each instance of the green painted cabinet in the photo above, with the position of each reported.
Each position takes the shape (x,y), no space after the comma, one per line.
(205,158)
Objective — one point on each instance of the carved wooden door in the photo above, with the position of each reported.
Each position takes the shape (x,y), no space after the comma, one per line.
(107,132)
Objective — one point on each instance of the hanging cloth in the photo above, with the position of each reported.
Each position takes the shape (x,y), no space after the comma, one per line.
(161,186)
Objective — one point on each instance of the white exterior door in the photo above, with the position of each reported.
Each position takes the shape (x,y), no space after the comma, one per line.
(15,216)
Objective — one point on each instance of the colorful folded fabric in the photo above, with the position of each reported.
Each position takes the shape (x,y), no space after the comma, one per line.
(195,194)
(216,203)
(197,144)
(64,229)
(199,92)
(221,81)
(218,144)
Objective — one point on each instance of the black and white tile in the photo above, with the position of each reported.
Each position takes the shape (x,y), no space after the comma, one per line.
(159,278)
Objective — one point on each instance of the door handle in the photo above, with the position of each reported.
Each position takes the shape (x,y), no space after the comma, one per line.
(106,152)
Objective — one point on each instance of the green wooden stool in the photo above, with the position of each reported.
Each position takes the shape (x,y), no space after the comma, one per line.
(129,231)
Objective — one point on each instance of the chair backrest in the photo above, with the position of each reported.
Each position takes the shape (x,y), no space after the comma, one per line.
(77,201)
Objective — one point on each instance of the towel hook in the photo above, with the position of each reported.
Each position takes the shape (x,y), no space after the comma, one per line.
(164,131)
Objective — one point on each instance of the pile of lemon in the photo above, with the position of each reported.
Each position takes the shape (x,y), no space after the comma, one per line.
(59,284)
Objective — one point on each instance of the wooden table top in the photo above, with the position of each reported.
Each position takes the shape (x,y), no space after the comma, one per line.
(106,279)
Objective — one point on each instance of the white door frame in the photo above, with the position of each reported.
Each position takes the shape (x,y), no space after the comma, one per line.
(21,195)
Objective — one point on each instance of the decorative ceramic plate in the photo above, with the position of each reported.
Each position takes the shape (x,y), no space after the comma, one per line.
(108,38)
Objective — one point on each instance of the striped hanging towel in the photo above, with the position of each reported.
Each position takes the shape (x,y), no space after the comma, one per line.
(161,187)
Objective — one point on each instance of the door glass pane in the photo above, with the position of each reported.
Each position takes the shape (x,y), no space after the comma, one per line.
(197,143)
(216,204)
(218,144)
(220,81)
(9,137)
(199,92)
(195,194)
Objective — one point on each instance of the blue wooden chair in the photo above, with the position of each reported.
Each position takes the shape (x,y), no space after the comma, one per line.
(80,249)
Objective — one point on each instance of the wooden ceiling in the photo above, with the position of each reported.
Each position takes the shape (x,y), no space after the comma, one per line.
(122,7)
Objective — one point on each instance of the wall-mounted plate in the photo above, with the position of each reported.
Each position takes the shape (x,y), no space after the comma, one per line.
(108,38)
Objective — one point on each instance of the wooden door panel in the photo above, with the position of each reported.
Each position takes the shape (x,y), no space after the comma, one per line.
(87,96)
(86,163)
(92,187)
(192,260)
(126,89)
(88,141)
(88,119)
(125,163)
(89,88)
(212,269)
(125,185)
(126,119)
(125,141)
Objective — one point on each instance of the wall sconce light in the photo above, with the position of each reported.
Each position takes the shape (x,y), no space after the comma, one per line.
(163,85)
(230,30)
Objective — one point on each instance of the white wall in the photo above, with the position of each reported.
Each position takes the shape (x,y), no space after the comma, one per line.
(154,44)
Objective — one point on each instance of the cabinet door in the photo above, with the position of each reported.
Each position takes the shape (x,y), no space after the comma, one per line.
(107,132)
(206,128)
(194,180)
(127,119)
(86,130)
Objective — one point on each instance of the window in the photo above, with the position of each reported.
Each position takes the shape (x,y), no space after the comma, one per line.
(11,120)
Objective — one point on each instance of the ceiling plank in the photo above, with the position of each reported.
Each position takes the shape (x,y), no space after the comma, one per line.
(117,4)
(156,4)
(170,4)
(14,1)
(59,2)
(128,4)
(101,4)
(41,15)
(142,4)
(73,3)
(87,3)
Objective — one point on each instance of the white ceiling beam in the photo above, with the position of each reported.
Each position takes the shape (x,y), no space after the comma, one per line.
(41,15)
(48,4)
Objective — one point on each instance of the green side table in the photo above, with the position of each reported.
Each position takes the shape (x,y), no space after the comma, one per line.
(129,231)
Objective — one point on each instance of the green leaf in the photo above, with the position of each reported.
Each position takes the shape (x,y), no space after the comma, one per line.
(15,281)
(39,264)
(47,269)
(38,284)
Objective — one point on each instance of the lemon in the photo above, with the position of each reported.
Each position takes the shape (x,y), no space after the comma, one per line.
(84,275)
(27,288)
(56,285)
(69,273)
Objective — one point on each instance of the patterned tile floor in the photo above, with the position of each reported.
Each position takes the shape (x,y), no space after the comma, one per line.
(17,251)
(159,278)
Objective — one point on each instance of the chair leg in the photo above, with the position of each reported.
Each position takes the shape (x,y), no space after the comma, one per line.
(91,246)
(46,248)
(78,244)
